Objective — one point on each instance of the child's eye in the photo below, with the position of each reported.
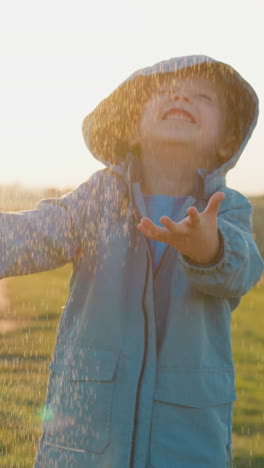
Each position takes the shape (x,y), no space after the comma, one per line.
(164,91)
(205,97)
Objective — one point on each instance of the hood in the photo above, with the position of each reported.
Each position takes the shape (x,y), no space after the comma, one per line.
(107,128)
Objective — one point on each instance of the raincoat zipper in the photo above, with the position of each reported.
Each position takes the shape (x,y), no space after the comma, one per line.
(143,362)
(161,261)
(145,348)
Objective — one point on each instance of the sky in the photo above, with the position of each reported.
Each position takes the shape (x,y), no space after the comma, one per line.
(59,59)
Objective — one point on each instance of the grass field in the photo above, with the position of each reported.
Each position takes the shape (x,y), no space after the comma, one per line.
(25,354)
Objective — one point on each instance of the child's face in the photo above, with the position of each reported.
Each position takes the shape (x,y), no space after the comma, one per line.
(187,111)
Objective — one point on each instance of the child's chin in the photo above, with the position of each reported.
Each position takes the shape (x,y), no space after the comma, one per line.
(176,137)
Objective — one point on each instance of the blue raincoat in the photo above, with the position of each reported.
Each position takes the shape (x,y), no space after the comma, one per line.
(113,399)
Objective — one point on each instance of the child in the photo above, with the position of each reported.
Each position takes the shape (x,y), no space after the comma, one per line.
(142,373)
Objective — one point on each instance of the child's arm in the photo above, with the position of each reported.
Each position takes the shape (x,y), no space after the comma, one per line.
(46,237)
(217,253)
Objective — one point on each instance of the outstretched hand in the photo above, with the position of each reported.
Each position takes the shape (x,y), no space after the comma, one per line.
(196,236)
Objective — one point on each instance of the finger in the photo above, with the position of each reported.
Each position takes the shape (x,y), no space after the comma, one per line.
(168,223)
(147,227)
(146,224)
(172,227)
(214,203)
(194,216)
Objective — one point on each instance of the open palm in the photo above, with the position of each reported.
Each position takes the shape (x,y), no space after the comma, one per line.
(196,236)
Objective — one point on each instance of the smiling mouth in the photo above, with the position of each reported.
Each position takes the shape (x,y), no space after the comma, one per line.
(178,114)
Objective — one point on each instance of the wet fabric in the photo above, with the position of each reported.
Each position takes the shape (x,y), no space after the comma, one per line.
(106,347)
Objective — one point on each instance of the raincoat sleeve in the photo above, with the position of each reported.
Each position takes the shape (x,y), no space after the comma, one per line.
(46,237)
(240,264)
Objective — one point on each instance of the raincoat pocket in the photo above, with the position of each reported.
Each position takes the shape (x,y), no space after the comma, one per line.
(79,400)
(197,388)
(192,418)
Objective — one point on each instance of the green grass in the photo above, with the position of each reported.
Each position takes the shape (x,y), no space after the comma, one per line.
(25,355)
(248,349)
